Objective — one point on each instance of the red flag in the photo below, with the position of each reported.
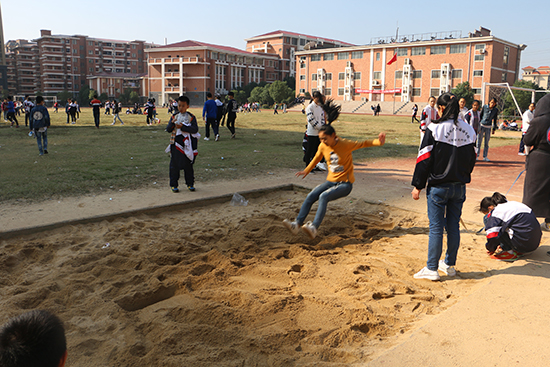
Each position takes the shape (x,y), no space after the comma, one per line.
(393,59)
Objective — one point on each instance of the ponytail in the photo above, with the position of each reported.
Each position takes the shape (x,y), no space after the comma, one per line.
(452,109)
(494,200)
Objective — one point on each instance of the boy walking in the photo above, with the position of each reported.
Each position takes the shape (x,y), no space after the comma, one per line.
(40,121)
(96,105)
(183,145)
(232,109)
(210,117)
(116,111)
(489,121)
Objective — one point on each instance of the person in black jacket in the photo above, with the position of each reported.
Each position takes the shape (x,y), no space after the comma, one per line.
(445,161)
(232,108)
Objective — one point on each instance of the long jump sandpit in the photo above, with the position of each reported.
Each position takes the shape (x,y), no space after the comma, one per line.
(205,283)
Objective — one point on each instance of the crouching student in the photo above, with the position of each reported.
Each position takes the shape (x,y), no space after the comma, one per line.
(510,225)
(338,153)
(39,121)
(183,145)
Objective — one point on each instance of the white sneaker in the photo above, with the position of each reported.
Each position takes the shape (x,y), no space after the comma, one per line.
(486,160)
(293,227)
(426,273)
(113,123)
(217,137)
(322,166)
(448,270)
(206,139)
(310,230)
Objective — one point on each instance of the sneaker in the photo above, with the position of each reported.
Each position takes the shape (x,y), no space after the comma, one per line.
(232,136)
(486,159)
(310,230)
(426,273)
(509,256)
(175,189)
(45,151)
(293,227)
(206,139)
(191,188)
(322,166)
(545,227)
(448,270)
(521,153)
(122,123)
(111,124)
(74,122)
(217,137)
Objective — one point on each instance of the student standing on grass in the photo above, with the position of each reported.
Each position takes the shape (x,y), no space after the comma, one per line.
(340,178)
(210,117)
(232,108)
(510,225)
(116,111)
(11,112)
(40,121)
(27,103)
(526,118)
(445,161)
(96,105)
(536,188)
(68,109)
(489,121)
(183,145)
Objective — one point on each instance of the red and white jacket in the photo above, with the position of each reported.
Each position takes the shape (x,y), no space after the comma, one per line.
(429,114)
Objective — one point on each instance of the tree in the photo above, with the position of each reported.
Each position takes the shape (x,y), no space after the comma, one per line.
(91,94)
(84,95)
(103,97)
(134,97)
(265,97)
(125,96)
(280,91)
(464,90)
(63,96)
(256,94)
(291,82)
(240,96)
(522,97)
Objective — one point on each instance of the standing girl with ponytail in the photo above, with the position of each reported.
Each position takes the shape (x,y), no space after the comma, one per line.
(510,225)
(445,161)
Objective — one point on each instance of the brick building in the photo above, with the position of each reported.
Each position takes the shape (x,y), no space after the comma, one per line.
(425,65)
(23,67)
(285,44)
(196,68)
(3,61)
(540,76)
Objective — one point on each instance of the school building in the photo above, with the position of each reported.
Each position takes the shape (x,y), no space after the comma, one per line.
(540,76)
(409,68)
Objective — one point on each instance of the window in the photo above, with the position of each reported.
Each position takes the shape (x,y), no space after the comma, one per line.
(399,74)
(436,74)
(402,51)
(294,41)
(504,76)
(416,92)
(302,77)
(328,57)
(287,39)
(456,74)
(438,50)
(478,72)
(506,55)
(328,76)
(343,55)
(316,57)
(476,90)
(328,91)
(415,51)
(417,74)
(434,92)
(341,76)
(340,91)
(378,56)
(357,75)
(377,75)
(480,47)
(357,55)
(302,90)
(457,49)
(479,57)
(314,76)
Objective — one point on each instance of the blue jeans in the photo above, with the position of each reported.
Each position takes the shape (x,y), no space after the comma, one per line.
(39,137)
(483,131)
(325,192)
(444,210)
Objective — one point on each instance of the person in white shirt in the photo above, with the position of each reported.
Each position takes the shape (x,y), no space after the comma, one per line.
(463,109)
(315,120)
(429,114)
(526,118)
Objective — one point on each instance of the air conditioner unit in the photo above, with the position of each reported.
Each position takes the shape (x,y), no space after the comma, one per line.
(363,99)
(407,61)
(375,82)
(348,64)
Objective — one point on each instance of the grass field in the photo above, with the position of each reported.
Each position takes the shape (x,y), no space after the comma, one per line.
(85,160)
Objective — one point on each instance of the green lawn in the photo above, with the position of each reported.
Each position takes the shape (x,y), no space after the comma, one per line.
(83,159)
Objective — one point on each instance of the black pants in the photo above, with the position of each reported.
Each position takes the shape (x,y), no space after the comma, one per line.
(96,118)
(178,162)
(211,122)
(311,149)
(149,118)
(522,145)
(27,118)
(73,116)
(68,116)
(12,118)
(231,122)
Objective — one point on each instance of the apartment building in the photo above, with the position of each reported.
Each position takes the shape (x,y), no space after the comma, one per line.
(540,76)
(195,68)
(23,67)
(285,44)
(409,68)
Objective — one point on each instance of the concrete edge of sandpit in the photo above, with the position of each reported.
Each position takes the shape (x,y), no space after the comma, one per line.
(196,203)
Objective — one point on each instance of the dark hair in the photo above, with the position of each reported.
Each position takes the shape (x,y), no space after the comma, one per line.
(231,94)
(33,339)
(39,99)
(476,101)
(450,102)
(494,200)
(327,129)
(493,99)
(95,95)
(208,95)
(183,99)
(317,94)
(10,98)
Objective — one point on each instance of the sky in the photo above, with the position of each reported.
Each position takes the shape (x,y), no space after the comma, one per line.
(230,23)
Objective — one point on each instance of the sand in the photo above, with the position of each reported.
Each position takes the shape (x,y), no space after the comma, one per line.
(230,286)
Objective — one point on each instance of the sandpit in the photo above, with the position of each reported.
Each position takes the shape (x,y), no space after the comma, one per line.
(230,286)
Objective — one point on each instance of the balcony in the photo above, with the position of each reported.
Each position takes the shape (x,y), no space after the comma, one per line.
(173,74)
(173,89)
(176,60)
